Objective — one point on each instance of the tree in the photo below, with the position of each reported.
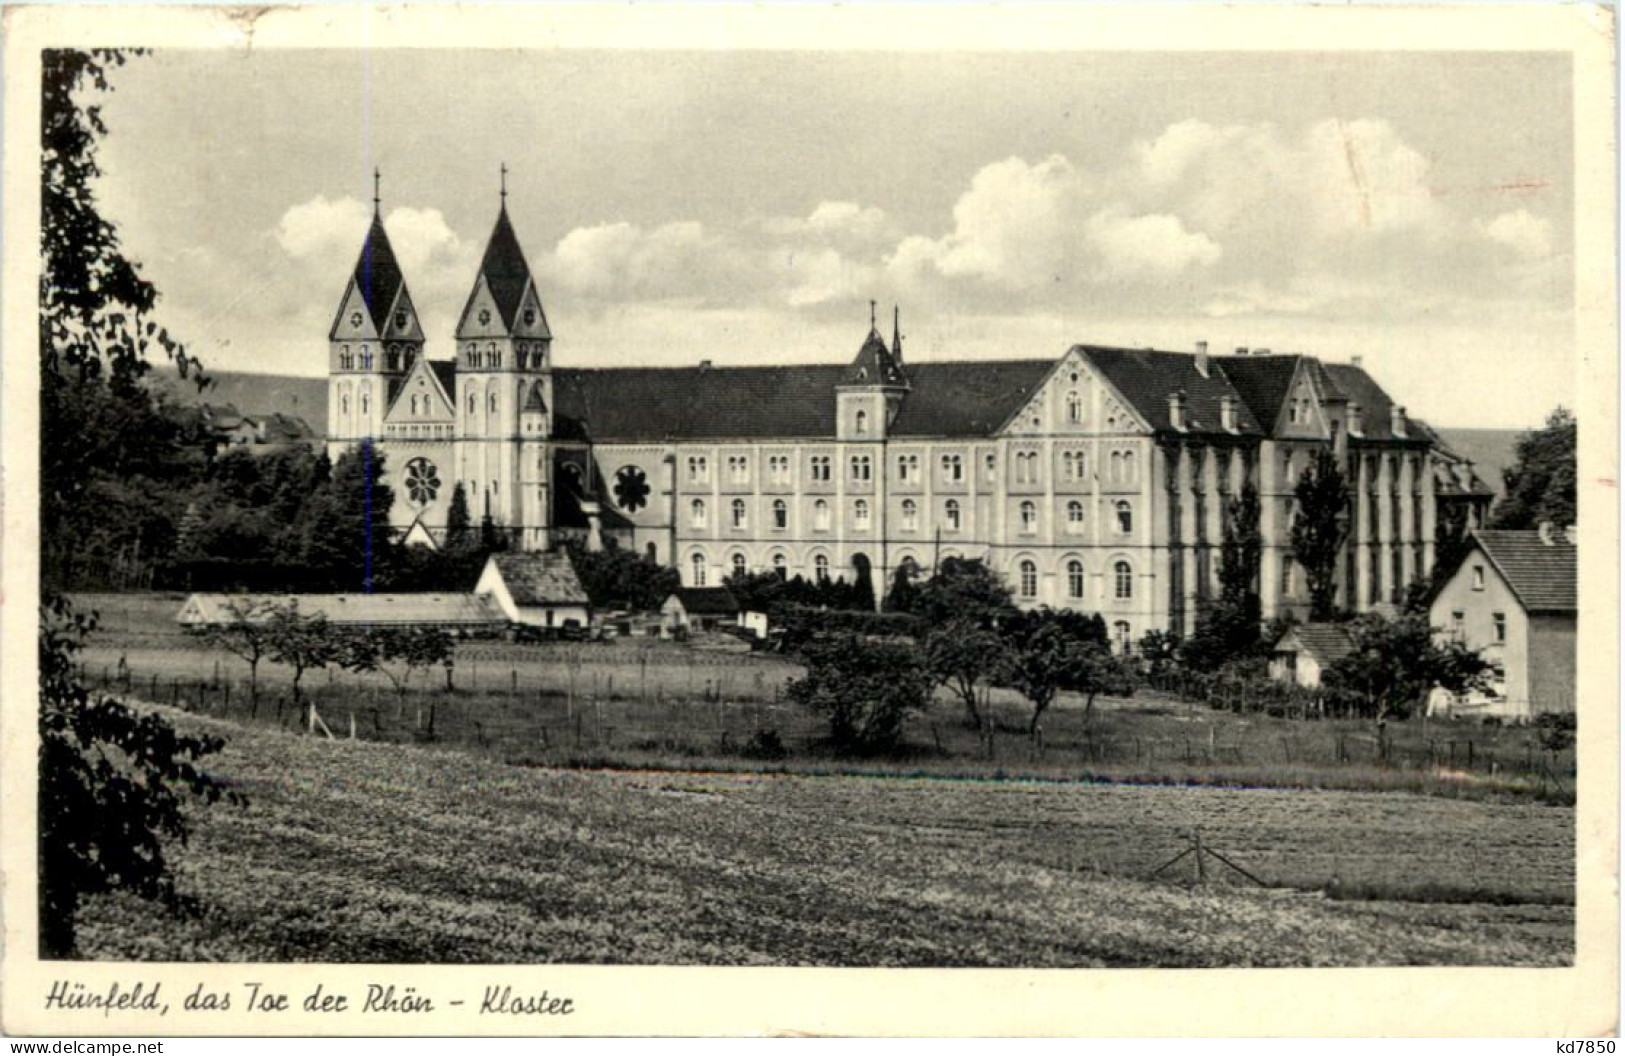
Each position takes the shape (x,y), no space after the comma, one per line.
(964,587)
(1322,496)
(1049,660)
(458,523)
(966,657)
(345,537)
(756,591)
(864,689)
(615,577)
(247,636)
(111,779)
(1540,485)
(1394,663)
(903,594)
(413,648)
(303,643)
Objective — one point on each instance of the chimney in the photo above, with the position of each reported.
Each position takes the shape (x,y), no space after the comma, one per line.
(1356,422)
(1261,351)
(1201,358)
(1241,350)
(1357,361)
(1546,535)
(1227,412)
(1464,473)
(1397,420)
(705,364)
(1176,409)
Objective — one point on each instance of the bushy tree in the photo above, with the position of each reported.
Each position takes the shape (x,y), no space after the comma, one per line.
(1540,485)
(966,657)
(246,635)
(1322,496)
(964,587)
(1049,659)
(756,591)
(1395,663)
(903,594)
(615,577)
(345,540)
(864,689)
(304,643)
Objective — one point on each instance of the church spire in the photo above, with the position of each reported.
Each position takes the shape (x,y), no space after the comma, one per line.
(504,300)
(897,334)
(377,199)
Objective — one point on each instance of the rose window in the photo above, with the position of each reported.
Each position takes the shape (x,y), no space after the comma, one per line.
(422,481)
(631,488)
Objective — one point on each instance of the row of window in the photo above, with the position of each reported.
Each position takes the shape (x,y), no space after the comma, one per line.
(348,360)
(1074,467)
(1026,575)
(526,357)
(952,513)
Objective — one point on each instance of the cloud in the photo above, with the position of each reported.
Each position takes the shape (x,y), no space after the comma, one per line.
(1147,247)
(834,221)
(1522,232)
(323,229)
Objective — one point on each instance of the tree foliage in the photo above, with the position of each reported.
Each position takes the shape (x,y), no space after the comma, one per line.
(1228,629)
(963,587)
(1540,485)
(111,778)
(967,657)
(1049,658)
(1322,496)
(864,689)
(1395,663)
(616,578)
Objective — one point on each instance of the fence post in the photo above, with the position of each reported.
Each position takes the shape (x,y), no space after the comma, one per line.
(1201,863)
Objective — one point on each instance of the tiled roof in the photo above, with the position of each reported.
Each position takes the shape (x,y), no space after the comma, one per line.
(873,365)
(1326,642)
(659,403)
(504,268)
(540,579)
(1146,378)
(381,610)
(1375,406)
(1544,576)
(377,274)
(707,601)
(969,398)
(1262,382)
(445,372)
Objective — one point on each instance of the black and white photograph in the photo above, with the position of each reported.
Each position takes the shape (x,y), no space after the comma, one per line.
(866,505)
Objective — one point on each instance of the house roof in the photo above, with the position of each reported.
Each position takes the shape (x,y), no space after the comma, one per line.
(1262,382)
(967,398)
(377,273)
(1146,378)
(1326,642)
(383,610)
(1543,575)
(445,372)
(707,601)
(504,268)
(874,364)
(1375,405)
(540,579)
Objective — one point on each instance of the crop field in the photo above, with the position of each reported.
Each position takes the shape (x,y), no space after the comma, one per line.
(651,704)
(351,851)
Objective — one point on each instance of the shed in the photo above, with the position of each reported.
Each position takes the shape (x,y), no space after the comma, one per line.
(539,589)
(1303,653)
(699,608)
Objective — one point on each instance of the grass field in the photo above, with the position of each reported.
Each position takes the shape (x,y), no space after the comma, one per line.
(651,704)
(350,851)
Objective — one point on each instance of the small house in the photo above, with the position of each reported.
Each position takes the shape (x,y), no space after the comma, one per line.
(1302,655)
(699,609)
(1512,597)
(536,589)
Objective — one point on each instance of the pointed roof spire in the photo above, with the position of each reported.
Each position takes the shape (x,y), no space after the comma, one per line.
(377,198)
(377,276)
(504,186)
(897,334)
(872,316)
(874,364)
(505,273)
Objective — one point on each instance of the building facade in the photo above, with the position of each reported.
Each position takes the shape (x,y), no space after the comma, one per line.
(1097,479)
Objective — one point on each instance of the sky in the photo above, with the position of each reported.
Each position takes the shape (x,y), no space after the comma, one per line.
(1414,209)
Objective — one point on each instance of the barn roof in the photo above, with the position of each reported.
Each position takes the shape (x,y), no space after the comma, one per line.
(1326,642)
(384,610)
(540,579)
(707,601)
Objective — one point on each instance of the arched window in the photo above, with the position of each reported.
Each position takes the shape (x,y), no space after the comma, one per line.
(1074,580)
(472,404)
(1074,408)
(1124,577)
(1116,475)
(860,514)
(491,404)
(739,513)
(1128,467)
(950,513)
(739,564)
(1125,517)
(1123,642)
(366,398)
(696,513)
(493,358)
(1029,580)
(697,569)
(781,515)
(821,568)
(366,358)
(344,403)
(821,515)
(1029,518)
(861,423)
(1074,516)
(780,567)
(911,515)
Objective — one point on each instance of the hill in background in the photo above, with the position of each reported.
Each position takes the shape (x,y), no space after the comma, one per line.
(294,396)
(1492,451)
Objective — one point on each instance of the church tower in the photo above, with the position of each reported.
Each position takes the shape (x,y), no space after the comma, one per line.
(505,390)
(374,340)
